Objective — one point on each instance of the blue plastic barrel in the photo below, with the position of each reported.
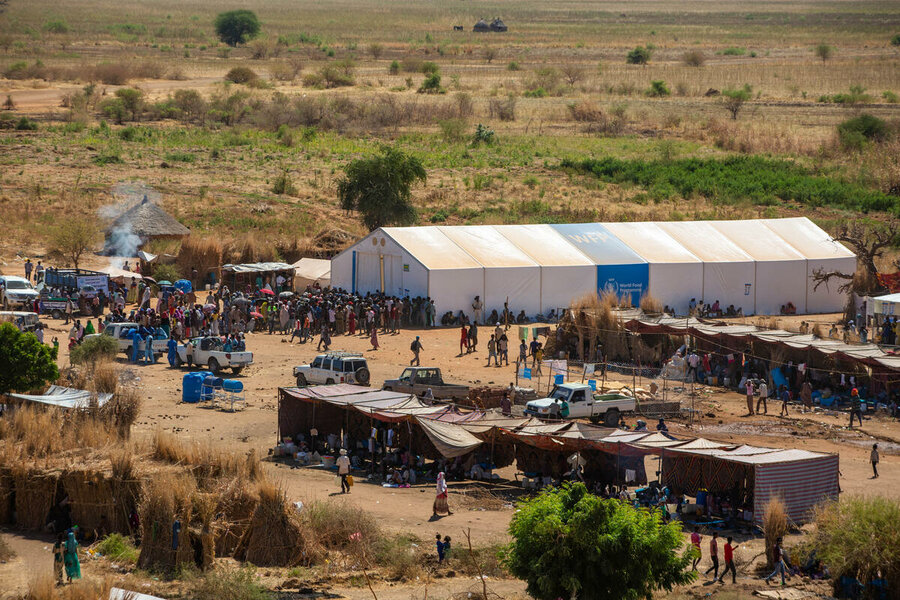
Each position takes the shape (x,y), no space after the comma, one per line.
(190,387)
(234,386)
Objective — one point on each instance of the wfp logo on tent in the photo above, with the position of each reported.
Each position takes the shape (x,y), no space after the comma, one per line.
(611,286)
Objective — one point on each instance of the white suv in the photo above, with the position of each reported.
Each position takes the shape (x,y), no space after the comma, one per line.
(16,291)
(334,367)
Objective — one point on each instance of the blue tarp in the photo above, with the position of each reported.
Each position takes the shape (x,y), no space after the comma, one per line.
(619,268)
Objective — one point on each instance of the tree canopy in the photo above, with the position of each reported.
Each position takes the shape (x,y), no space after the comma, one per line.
(25,363)
(379,188)
(638,56)
(569,543)
(237,26)
(73,238)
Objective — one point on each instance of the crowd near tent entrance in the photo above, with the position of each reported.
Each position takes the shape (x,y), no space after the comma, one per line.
(757,266)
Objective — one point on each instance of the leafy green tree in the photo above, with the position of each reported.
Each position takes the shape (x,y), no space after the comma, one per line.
(824,51)
(379,188)
(895,41)
(568,543)
(638,56)
(25,363)
(132,100)
(733,99)
(237,26)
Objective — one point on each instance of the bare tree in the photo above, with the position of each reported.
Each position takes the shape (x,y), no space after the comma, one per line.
(868,243)
(376,50)
(572,72)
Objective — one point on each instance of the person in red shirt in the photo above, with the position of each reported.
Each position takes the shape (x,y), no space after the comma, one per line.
(695,540)
(729,561)
(714,555)
(463,340)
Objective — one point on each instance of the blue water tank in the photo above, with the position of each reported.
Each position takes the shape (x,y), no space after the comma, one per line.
(235,386)
(190,387)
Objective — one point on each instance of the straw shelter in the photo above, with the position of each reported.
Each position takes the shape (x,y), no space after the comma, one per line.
(148,221)
(498,26)
(481,26)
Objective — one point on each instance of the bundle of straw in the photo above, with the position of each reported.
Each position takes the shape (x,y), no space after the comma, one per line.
(275,536)
(165,497)
(35,495)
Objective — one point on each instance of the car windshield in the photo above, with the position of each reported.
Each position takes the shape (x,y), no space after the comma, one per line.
(407,373)
(18,285)
(559,393)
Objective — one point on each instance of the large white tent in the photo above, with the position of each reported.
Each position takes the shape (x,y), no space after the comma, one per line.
(757,265)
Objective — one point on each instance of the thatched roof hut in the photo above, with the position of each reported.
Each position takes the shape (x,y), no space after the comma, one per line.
(481,26)
(498,25)
(148,221)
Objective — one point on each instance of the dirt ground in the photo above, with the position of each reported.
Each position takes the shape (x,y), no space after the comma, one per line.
(409,510)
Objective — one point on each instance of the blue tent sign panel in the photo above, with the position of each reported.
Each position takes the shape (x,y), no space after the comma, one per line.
(526,373)
(624,280)
(559,379)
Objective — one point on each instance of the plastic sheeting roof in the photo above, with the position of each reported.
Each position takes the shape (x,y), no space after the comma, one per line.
(706,242)
(652,243)
(758,240)
(542,244)
(264,267)
(488,246)
(64,397)
(808,239)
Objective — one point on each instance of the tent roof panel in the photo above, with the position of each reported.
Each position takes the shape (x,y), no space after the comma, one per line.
(487,246)
(757,240)
(705,241)
(652,243)
(544,245)
(808,238)
(431,247)
(598,243)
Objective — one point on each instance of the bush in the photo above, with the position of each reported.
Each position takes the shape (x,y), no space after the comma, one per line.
(854,133)
(112,74)
(429,68)
(56,26)
(513,66)
(890,97)
(734,51)
(185,157)
(26,124)
(229,584)
(118,548)
(483,135)
(166,273)
(338,74)
(505,110)
(237,26)
(693,58)
(567,543)
(432,84)
(856,537)
(241,75)
(895,41)
(638,56)
(453,130)
(658,89)
(394,68)
(93,350)
(283,185)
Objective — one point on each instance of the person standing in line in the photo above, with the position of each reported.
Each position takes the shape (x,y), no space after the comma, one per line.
(873,458)
(729,561)
(749,387)
(415,348)
(763,398)
(492,351)
(714,555)
(343,465)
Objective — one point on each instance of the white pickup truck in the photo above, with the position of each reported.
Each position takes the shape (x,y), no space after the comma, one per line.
(210,351)
(583,403)
(122,334)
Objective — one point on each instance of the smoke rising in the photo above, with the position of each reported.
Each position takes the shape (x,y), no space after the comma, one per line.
(121,243)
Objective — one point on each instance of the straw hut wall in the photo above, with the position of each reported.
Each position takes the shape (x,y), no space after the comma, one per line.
(7,488)
(165,499)
(100,503)
(275,535)
(35,496)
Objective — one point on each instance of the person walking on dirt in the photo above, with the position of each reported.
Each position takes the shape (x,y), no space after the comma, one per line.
(855,407)
(778,559)
(343,465)
(695,541)
(492,351)
(873,458)
(749,397)
(729,561)
(763,398)
(806,395)
(714,555)
(415,348)
(785,398)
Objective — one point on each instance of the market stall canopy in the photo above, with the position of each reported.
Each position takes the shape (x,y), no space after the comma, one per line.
(309,271)
(63,397)
(120,275)
(450,440)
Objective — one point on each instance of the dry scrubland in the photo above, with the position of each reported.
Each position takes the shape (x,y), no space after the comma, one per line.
(555,86)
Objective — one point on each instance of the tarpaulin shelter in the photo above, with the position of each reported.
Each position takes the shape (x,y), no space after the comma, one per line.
(756,265)
(310,271)
(248,273)
(802,479)
(869,355)
(68,398)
